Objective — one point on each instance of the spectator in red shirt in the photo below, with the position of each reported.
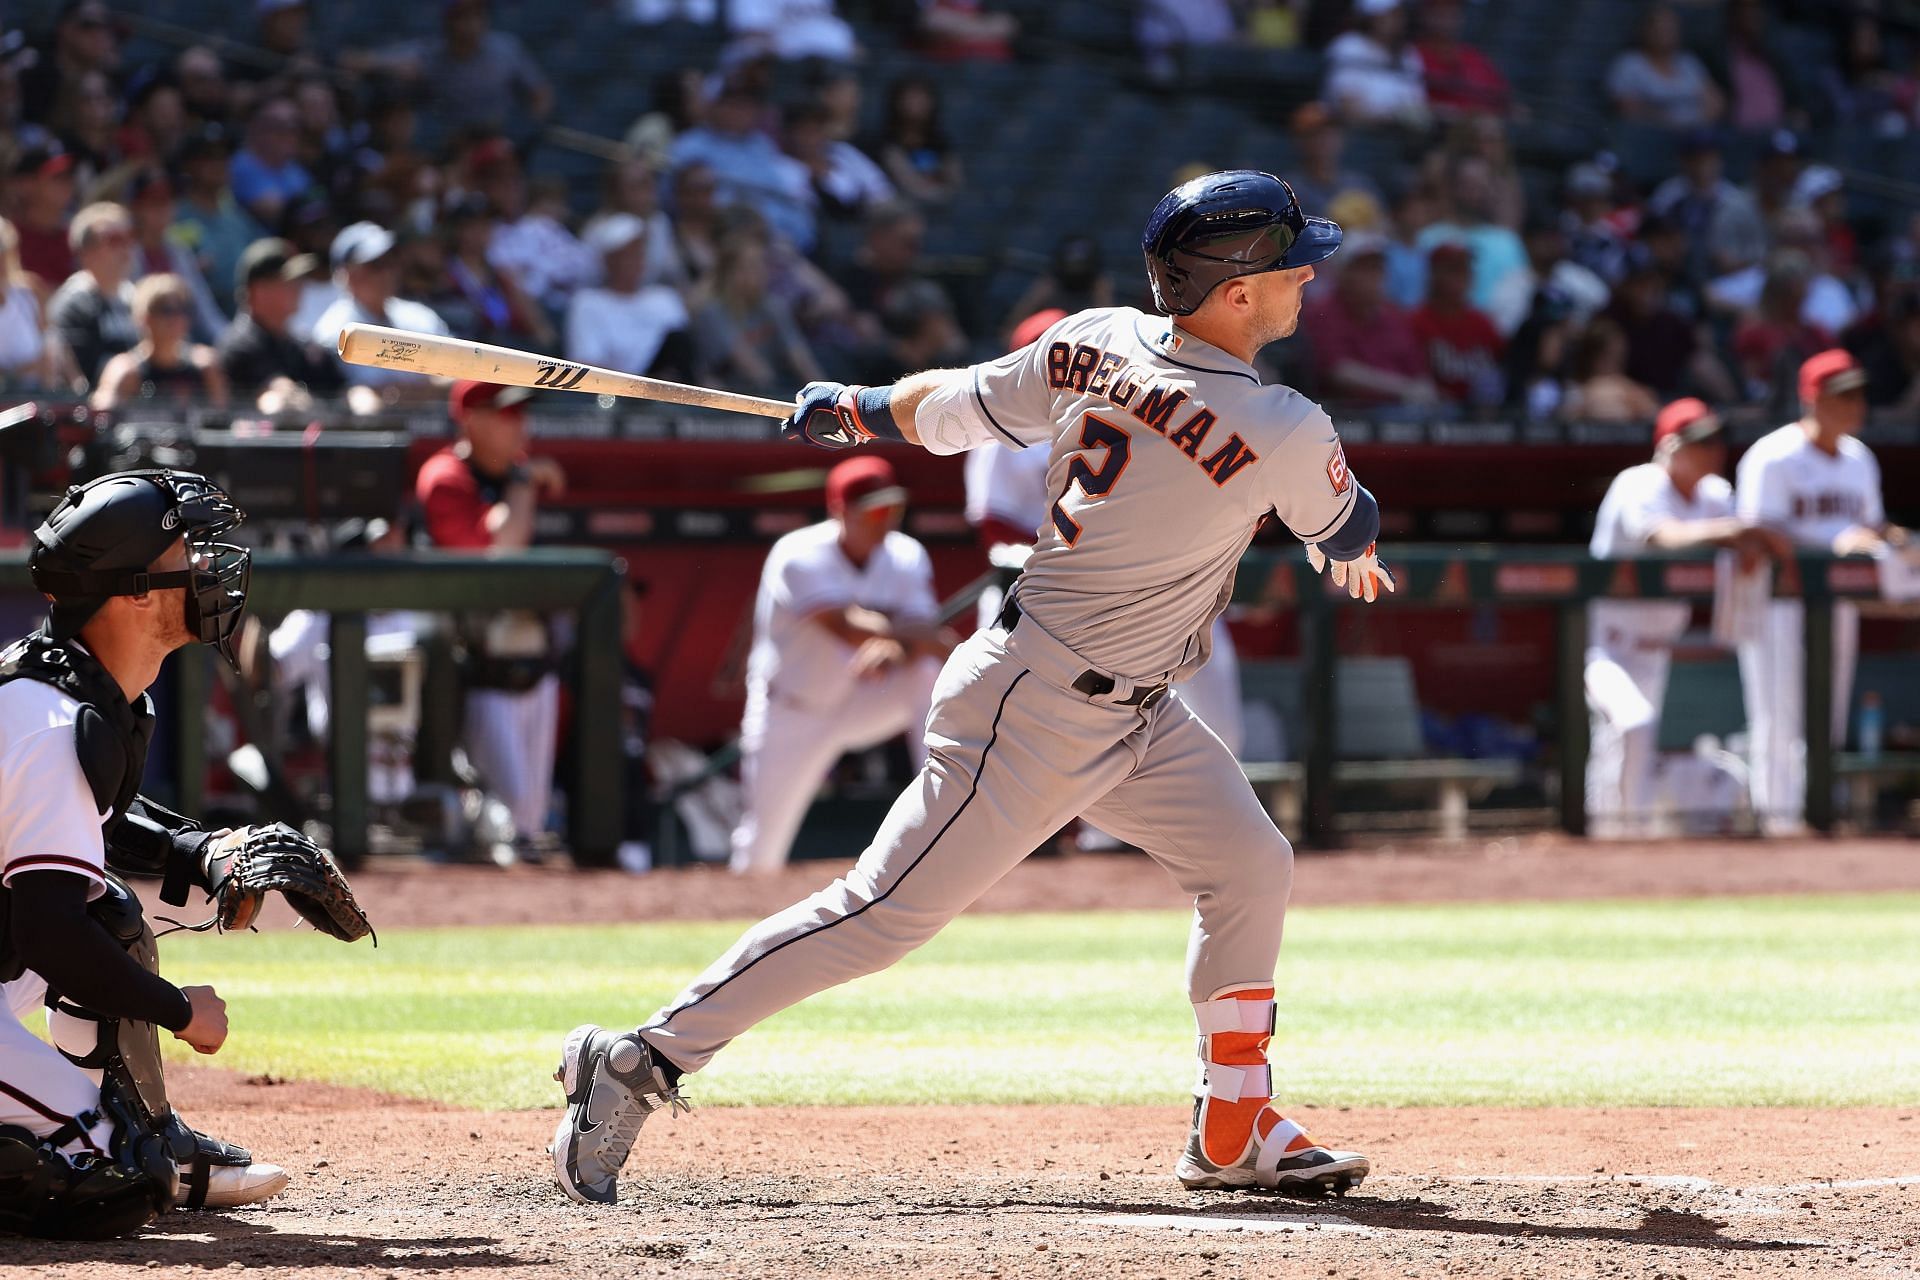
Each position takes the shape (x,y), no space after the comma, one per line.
(1463,348)
(966,31)
(1364,347)
(1461,80)
(480,493)
(40,201)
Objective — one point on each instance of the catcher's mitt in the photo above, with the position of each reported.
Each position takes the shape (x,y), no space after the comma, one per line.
(245,867)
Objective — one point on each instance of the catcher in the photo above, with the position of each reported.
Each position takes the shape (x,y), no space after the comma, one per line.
(89,1146)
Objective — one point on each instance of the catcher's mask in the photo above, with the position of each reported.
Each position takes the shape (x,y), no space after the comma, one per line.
(99,541)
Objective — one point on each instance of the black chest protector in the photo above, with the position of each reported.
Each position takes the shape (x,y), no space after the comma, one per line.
(111,737)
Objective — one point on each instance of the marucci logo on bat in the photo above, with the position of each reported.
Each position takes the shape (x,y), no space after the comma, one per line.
(559,375)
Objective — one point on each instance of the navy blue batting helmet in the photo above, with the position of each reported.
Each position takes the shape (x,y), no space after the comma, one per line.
(1238,222)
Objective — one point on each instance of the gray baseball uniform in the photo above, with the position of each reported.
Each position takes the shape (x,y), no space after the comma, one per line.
(1166,453)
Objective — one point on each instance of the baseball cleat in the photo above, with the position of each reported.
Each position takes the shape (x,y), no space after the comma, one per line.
(613,1082)
(1302,1167)
(231,1186)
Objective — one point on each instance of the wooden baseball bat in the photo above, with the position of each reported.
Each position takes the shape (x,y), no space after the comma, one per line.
(431,353)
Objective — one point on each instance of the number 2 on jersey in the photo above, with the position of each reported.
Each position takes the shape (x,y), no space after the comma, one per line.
(1095,433)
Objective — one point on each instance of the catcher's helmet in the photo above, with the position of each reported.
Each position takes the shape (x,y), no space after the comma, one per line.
(1238,222)
(99,541)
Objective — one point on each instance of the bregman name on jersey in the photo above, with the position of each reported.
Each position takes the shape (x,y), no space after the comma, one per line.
(1088,369)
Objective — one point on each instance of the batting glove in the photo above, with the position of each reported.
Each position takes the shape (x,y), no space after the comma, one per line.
(1363,578)
(826,417)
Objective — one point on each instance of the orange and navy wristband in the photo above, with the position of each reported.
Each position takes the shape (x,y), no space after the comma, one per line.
(873,413)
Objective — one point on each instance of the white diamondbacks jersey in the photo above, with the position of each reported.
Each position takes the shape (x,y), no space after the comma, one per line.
(48,818)
(1165,453)
(1639,500)
(1009,485)
(1787,483)
(806,571)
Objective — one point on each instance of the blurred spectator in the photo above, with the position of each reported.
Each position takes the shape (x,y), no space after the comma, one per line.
(1775,174)
(696,217)
(1600,390)
(1660,83)
(1718,218)
(632,186)
(1486,138)
(367,271)
(1828,303)
(1539,355)
(265,362)
(481,300)
(1317,177)
(281,28)
(473,77)
(84,40)
(481,493)
(846,182)
(626,323)
(156,121)
(1597,233)
(266,173)
(1163,28)
(838,91)
(207,221)
(1772,343)
(31,357)
(166,364)
(1460,79)
(1891,357)
(790,29)
(918,332)
(1273,24)
(678,103)
(1075,280)
(748,166)
(39,198)
(157,252)
(1364,348)
(648,12)
(1413,213)
(326,147)
(1863,91)
(888,256)
(1373,73)
(965,31)
(531,243)
(746,339)
(1754,79)
(399,185)
(1821,189)
(1664,348)
(204,88)
(1468,219)
(93,309)
(1462,347)
(913,146)
(86,117)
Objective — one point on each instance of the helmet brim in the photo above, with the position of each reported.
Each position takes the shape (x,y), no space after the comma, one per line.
(1315,244)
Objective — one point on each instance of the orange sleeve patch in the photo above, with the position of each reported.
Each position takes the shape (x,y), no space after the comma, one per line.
(1337,472)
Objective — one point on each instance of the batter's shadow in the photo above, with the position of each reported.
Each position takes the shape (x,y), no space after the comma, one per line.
(227,1240)
(1666,1228)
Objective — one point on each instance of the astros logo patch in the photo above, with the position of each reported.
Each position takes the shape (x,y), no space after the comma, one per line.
(1337,471)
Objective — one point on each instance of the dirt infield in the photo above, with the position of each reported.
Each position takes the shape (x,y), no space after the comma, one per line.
(387,1186)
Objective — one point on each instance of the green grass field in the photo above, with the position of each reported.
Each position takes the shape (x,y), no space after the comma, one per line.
(1801,1001)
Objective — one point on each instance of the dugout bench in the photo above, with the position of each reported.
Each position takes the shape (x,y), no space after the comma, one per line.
(1564,577)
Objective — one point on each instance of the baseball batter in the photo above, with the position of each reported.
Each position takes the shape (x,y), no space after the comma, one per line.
(1165,451)
(846,645)
(1676,502)
(1813,481)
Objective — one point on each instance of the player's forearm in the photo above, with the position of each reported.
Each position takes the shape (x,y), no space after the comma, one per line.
(510,522)
(853,625)
(1687,535)
(905,397)
(927,639)
(58,940)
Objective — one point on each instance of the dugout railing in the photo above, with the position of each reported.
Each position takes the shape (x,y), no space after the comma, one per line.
(1567,579)
(584,583)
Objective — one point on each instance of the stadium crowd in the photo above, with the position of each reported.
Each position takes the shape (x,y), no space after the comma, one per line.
(193,226)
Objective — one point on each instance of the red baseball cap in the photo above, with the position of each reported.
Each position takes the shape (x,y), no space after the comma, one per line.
(1029,330)
(1829,372)
(1689,419)
(863,482)
(468,395)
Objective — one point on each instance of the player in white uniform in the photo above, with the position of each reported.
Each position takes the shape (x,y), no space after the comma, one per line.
(1166,453)
(1814,482)
(1676,502)
(846,645)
